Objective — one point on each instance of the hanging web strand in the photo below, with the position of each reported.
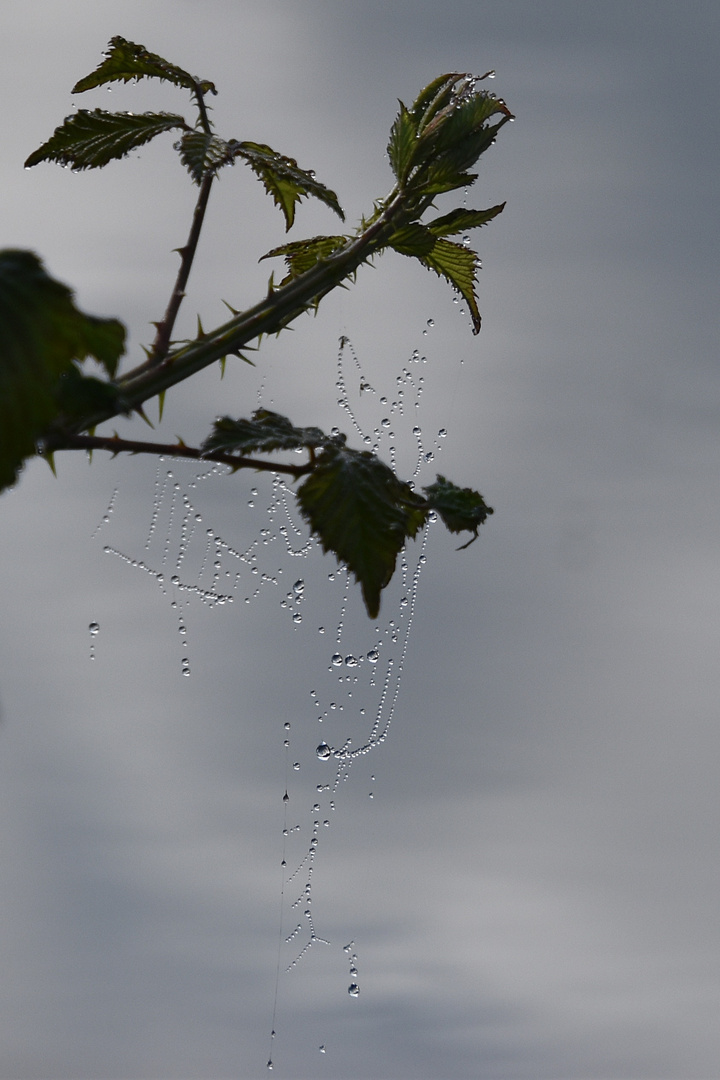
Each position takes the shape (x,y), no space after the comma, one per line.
(355,692)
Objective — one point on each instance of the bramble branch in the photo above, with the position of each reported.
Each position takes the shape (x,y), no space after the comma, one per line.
(115,445)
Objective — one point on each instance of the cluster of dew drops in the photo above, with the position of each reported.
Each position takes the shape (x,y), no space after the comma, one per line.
(222,575)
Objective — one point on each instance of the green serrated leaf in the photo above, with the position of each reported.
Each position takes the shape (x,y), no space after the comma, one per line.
(201,153)
(284,180)
(302,255)
(459,266)
(461,509)
(265,432)
(413,240)
(90,139)
(436,96)
(41,334)
(461,219)
(359,510)
(402,145)
(456,263)
(124,60)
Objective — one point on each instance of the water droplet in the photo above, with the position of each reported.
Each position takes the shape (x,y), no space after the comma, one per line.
(354,990)
(373,656)
(269,1065)
(442,433)
(297,618)
(94,629)
(286,725)
(321,629)
(431,323)
(323,751)
(299,587)
(351,661)
(296,766)
(336,660)
(321,1049)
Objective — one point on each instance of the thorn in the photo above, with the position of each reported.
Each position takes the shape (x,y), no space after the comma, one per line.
(200,332)
(231,308)
(141,412)
(50,458)
(161,405)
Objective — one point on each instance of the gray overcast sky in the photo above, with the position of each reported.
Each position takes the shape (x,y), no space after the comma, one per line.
(532,892)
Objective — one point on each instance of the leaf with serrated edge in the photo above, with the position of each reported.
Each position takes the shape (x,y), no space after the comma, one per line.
(461,509)
(201,153)
(461,219)
(124,60)
(403,141)
(284,180)
(90,139)
(459,266)
(265,432)
(302,255)
(359,510)
(413,239)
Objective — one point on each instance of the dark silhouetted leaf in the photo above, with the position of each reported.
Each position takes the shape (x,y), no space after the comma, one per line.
(358,509)
(284,179)
(266,431)
(461,509)
(41,334)
(90,139)
(302,255)
(124,60)
(79,395)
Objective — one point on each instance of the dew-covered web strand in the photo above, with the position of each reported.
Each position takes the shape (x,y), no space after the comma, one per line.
(374,671)
(178,540)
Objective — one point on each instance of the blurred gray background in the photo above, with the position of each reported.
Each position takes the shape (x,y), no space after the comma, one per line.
(533,890)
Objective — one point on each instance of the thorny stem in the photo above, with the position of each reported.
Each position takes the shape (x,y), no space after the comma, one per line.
(115,445)
(271,315)
(161,343)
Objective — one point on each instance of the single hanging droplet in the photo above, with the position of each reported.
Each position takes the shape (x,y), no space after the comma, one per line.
(354,990)
(323,751)
(94,629)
